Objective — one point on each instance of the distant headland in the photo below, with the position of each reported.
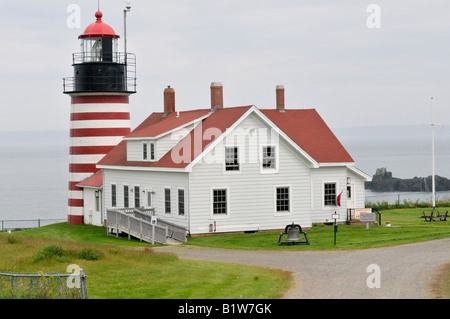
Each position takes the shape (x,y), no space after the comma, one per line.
(383,181)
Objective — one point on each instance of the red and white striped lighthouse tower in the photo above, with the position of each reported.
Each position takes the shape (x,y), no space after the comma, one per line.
(100,117)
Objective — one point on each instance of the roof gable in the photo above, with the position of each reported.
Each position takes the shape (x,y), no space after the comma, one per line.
(93,181)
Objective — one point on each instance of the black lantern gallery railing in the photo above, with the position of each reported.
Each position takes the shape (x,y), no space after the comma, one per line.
(95,74)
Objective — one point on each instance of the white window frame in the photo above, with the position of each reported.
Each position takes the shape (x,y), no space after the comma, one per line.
(264,170)
(284,213)
(145,151)
(219,216)
(134,196)
(115,195)
(123,195)
(170,200)
(329,207)
(238,171)
(152,157)
(147,154)
(178,202)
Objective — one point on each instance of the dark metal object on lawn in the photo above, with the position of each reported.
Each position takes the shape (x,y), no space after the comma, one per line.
(293,232)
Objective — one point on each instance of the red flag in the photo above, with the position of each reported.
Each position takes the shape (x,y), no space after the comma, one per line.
(339,199)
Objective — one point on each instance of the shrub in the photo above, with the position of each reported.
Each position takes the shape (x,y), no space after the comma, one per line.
(89,254)
(49,252)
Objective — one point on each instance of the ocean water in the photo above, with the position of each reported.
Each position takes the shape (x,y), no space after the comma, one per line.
(33,181)
(34,168)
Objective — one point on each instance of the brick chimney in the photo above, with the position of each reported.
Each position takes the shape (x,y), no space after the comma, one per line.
(280,98)
(169,100)
(216,95)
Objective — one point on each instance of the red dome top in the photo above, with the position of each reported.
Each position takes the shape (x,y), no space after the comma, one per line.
(98,29)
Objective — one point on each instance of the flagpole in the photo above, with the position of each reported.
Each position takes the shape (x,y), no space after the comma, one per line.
(432,157)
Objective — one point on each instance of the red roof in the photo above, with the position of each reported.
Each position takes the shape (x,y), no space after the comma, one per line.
(95,180)
(309,131)
(219,121)
(98,29)
(157,124)
(304,127)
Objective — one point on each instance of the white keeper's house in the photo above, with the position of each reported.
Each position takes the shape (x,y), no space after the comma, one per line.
(229,169)
(215,169)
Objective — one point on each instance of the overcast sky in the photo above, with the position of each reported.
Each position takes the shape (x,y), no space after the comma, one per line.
(323,52)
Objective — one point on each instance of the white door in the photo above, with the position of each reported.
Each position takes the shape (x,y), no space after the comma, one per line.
(350,196)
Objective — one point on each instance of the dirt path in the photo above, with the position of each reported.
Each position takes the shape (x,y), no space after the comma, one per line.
(405,271)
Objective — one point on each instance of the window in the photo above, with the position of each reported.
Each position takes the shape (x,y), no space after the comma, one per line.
(148,151)
(137,197)
(231,159)
(282,204)
(181,202)
(126,194)
(152,151)
(268,157)
(220,202)
(349,192)
(113,195)
(97,201)
(145,151)
(167,203)
(330,194)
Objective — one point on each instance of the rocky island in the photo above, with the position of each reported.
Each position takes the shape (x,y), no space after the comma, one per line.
(383,181)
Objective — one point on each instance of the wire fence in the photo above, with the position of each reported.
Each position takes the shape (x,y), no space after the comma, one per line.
(400,197)
(6,225)
(43,286)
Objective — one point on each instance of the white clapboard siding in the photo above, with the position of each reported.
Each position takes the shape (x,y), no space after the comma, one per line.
(251,194)
(155,181)
(319,176)
(134,150)
(167,142)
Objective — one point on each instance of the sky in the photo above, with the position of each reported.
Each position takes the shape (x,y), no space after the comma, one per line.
(359,63)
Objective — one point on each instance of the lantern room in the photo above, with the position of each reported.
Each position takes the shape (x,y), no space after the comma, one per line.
(99,42)
(100,67)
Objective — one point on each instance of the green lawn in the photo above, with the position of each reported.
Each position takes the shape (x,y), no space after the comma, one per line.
(128,270)
(81,234)
(407,227)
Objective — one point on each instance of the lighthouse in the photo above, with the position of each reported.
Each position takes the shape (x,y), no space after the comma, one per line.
(102,83)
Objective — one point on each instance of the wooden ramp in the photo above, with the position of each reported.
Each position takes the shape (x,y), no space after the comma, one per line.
(138,223)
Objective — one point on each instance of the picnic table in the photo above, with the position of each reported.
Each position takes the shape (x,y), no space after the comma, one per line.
(438,217)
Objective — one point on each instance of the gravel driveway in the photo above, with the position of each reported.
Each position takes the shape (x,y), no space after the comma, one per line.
(404,271)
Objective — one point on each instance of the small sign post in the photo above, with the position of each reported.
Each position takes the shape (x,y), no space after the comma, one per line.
(335,216)
(367,217)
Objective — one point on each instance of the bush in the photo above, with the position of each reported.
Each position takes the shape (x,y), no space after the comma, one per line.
(89,254)
(49,252)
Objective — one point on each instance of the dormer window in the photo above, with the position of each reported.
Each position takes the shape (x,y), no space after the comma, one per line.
(144,151)
(148,151)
